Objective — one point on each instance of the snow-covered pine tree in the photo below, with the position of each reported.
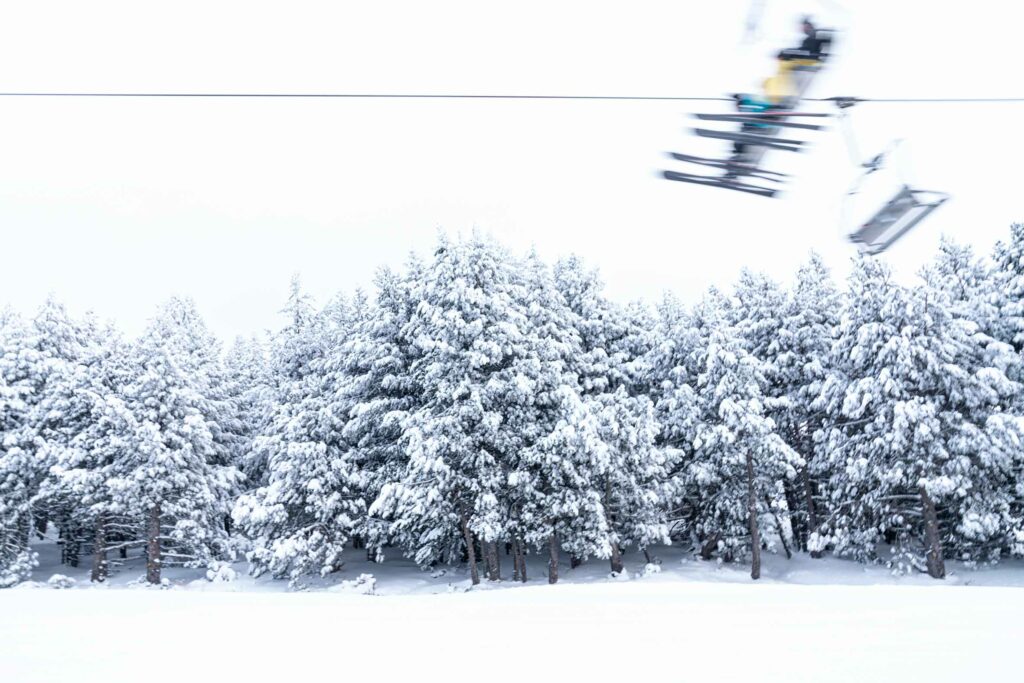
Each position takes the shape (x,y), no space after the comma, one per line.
(1008,288)
(248,395)
(612,371)
(556,484)
(102,434)
(990,525)
(468,336)
(799,356)
(739,460)
(556,500)
(673,367)
(19,465)
(292,353)
(40,417)
(756,315)
(378,392)
(175,477)
(916,442)
(312,501)
(636,486)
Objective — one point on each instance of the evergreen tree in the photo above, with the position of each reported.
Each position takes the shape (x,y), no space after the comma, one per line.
(799,357)
(378,392)
(175,477)
(612,374)
(19,467)
(1008,292)
(739,459)
(468,337)
(249,394)
(78,489)
(312,500)
(916,435)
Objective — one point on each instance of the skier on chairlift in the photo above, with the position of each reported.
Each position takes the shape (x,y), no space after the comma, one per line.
(797,65)
(814,46)
(783,90)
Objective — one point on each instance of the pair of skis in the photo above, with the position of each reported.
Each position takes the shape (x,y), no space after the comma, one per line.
(729,181)
(735,169)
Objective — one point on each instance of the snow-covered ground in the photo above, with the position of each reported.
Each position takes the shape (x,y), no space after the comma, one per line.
(690,621)
(398,575)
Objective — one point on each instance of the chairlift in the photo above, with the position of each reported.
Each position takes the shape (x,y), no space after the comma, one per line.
(899,215)
(905,209)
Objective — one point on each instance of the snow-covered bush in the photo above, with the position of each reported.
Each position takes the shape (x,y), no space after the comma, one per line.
(221,572)
(61,581)
(650,569)
(364,584)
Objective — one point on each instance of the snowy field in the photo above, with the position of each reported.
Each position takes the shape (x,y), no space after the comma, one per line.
(690,621)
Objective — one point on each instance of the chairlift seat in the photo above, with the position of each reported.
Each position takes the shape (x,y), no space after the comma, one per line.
(899,215)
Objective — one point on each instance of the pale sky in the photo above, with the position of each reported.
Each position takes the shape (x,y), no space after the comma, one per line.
(116,204)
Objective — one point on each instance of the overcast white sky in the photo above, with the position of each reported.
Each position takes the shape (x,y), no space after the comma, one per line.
(116,204)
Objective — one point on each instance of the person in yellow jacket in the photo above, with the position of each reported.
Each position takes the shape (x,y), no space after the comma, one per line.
(796,65)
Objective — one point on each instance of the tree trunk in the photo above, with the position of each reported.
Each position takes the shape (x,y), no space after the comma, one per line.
(553,558)
(515,559)
(99,551)
(522,560)
(467,535)
(797,520)
(616,558)
(74,550)
(755,536)
(574,562)
(778,525)
(936,565)
(491,556)
(812,513)
(153,558)
(709,546)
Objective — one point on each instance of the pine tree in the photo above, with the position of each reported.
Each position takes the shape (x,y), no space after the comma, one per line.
(613,374)
(560,499)
(916,436)
(674,366)
(311,502)
(41,417)
(799,357)
(249,394)
(468,336)
(175,477)
(378,392)
(739,459)
(77,489)
(1008,292)
(294,350)
(19,468)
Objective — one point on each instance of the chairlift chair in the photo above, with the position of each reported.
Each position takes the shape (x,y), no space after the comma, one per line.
(897,217)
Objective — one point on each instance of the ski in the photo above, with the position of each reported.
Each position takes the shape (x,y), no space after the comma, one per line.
(719,182)
(737,166)
(777,112)
(784,144)
(764,121)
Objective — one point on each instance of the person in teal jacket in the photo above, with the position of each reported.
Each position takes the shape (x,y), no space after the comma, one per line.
(747,103)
